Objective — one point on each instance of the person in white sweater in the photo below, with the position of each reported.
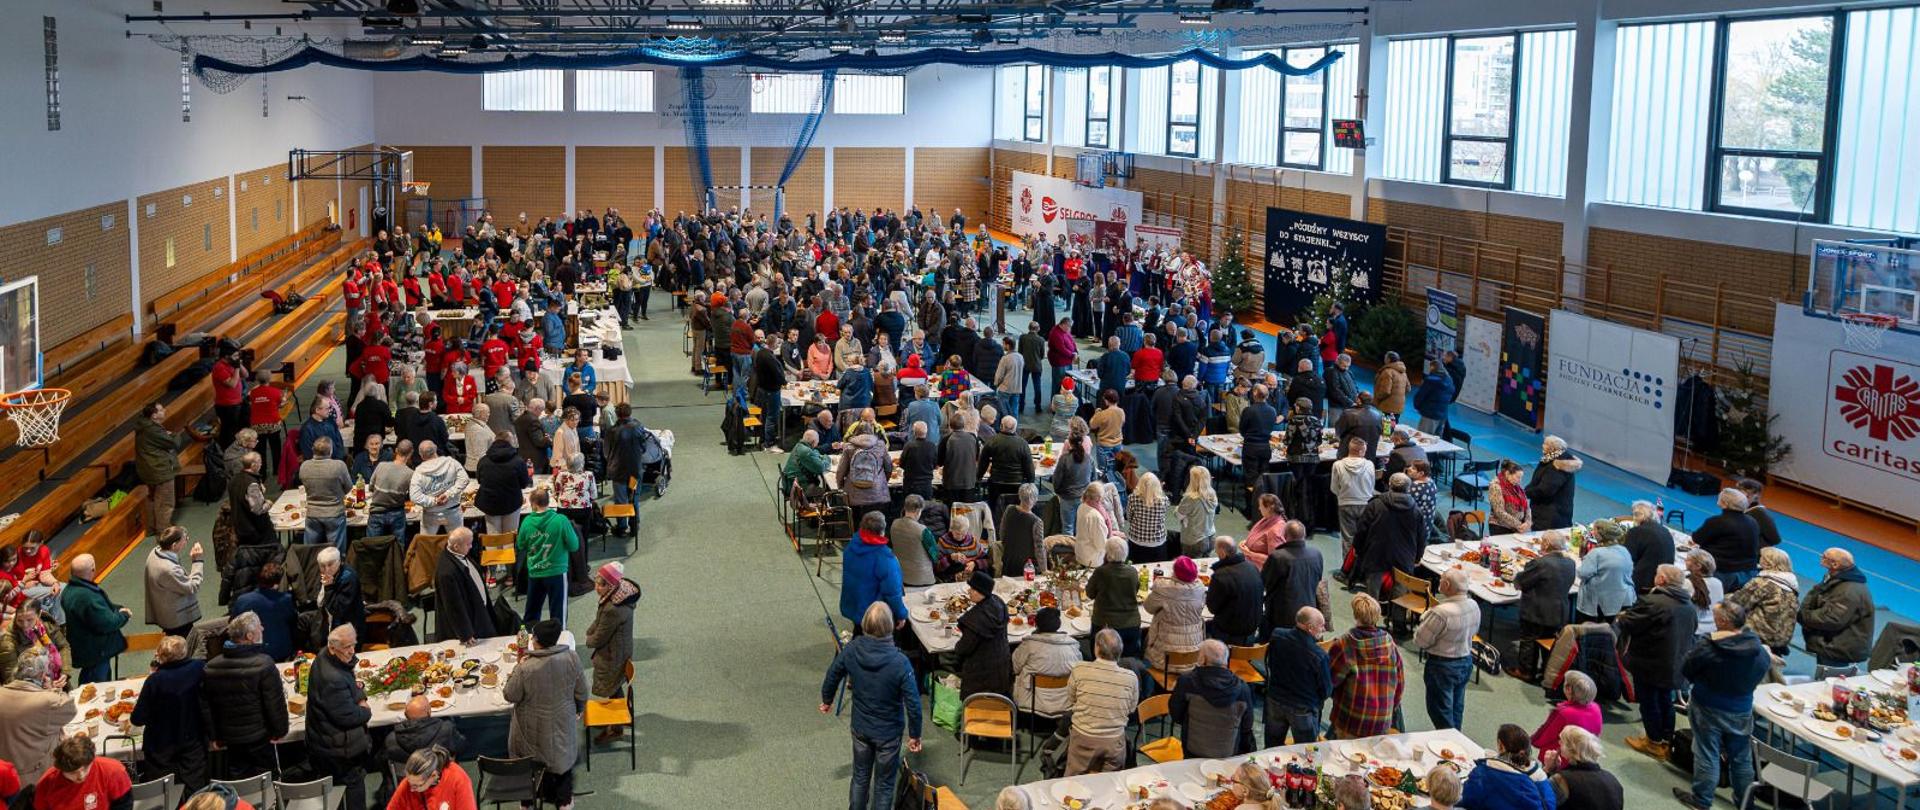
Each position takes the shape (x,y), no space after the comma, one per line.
(1353,482)
(438,483)
(479,435)
(1093,524)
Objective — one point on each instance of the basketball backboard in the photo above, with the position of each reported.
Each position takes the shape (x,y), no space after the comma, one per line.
(1850,278)
(20,368)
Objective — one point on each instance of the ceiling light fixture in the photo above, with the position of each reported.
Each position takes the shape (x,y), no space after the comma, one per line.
(427,42)
(839,47)
(683,23)
(893,38)
(1196,19)
(448,53)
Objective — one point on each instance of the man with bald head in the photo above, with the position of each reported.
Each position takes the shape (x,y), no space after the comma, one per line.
(421,730)
(1837,615)
(1006,461)
(93,622)
(1299,679)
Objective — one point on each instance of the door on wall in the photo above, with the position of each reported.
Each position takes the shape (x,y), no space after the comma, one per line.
(364,206)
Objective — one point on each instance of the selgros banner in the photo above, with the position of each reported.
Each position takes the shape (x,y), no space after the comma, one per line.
(1612,391)
(1850,415)
(1480,350)
(1523,375)
(1307,252)
(1443,323)
(1042,204)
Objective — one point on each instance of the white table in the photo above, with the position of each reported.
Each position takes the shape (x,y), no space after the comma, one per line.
(288,512)
(387,709)
(1859,753)
(1227,446)
(604,371)
(942,636)
(1108,790)
(1441,557)
(1042,467)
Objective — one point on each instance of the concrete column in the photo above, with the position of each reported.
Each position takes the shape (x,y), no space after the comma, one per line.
(1587,134)
(572,205)
(1372,74)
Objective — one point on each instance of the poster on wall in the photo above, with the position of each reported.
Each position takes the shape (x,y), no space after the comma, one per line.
(1851,415)
(1480,350)
(1443,323)
(1307,253)
(1158,237)
(1041,204)
(1611,392)
(1523,374)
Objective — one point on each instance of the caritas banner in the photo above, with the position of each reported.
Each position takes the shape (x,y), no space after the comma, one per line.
(1042,204)
(1849,411)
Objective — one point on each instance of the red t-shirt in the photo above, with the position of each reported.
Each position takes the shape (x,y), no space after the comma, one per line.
(530,344)
(828,324)
(437,285)
(1148,364)
(503,293)
(413,291)
(106,781)
(377,361)
(511,332)
(28,566)
(351,292)
(227,388)
(263,405)
(493,355)
(456,289)
(434,348)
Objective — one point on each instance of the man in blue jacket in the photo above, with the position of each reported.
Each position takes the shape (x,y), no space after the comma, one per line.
(886,702)
(1299,679)
(1114,368)
(1433,398)
(1724,668)
(869,571)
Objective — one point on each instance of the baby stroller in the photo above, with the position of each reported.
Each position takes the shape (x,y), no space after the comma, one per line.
(656,466)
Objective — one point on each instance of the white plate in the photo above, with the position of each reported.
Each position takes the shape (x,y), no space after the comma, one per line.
(1195,792)
(1890,677)
(1217,770)
(1891,750)
(1502,590)
(1441,748)
(1154,783)
(1071,789)
(1081,624)
(1831,730)
(1781,695)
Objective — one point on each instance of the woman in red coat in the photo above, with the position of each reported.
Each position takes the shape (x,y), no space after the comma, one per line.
(458,391)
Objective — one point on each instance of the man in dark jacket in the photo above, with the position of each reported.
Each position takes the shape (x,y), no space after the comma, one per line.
(1305,383)
(769,376)
(1213,707)
(1114,367)
(1299,678)
(340,600)
(918,461)
(169,709)
(419,731)
(1724,670)
(460,593)
(1389,535)
(1006,461)
(93,622)
(1234,596)
(1649,543)
(1656,632)
(986,662)
(533,439)
(1837,616)
(1733,538)
(886,702)
(337,716)
(1544,584)
(985,359)
(1361,421)
(1291,578)
(1341,389)
(1189,415)
(1762,516)
(1552,488)
(626,454)
(243,707)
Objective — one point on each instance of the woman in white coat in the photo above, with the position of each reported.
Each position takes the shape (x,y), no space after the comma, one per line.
(1178,606)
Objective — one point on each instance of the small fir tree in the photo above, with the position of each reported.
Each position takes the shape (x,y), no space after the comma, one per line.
(1232,289)
(1748,445)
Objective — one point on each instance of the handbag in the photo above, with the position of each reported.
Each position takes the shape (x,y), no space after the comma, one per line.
(946,701)
(912,791)
(1486,657)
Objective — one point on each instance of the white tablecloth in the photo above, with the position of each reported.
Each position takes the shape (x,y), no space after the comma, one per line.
(1443,556)
(604,370)
(1227,446)
(941,636)
(483,700)
(288,510)
(1042,467)
(1857,752)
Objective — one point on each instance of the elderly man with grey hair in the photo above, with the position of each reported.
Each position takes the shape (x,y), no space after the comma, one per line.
(1656,633)
(1445,634)
(1213,707)
(1544,585)
(1724,668)
(1299,679)
(1837,616)
(530,433)
(1733,538)
(340,600)
(94,622)
(1389,535)
(1405,451)
(1104,696)
(1006,461)
(337,717)
(243,705)
(1235,596)
(886,703)
(34,711)
(437,486)
(919,461)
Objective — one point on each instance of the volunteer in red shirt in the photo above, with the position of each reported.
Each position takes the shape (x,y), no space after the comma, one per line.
(458,391)
(265,414)
(351,293)
(494,353)
(435,349)
(433,782)
(827,325)
(437,287)
(376,361)
(387,292)
(412,287)
(503,291)
(229,394)
(1148,363)
(456,289)
(79,780)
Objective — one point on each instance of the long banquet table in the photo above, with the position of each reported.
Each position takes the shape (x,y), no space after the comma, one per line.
(939,636)
(1789,711)
(288,512)
(1227,446)
(1043,465)
(1441,557)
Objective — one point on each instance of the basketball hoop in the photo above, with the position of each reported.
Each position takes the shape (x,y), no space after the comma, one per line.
(1865,330)
(37,414)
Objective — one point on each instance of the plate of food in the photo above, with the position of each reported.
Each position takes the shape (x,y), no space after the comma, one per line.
(296,707)
(118,711)
(1500,588)
(1072,794)
(1905,755)
(93,714)
(1387,776)
(444,691)
(397,706)
(437,704)
(1143,784)
(1446,751)
(1836,730)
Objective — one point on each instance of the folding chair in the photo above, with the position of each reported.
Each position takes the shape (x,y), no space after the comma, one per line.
(1167,748)
(257,790)
(318,794)
(1418,598)
(1788,775)
(497,551)
(1034,685)
(1241,660)
(154,795)
(513,780)
(614,713)
(1173,658)
(988,716)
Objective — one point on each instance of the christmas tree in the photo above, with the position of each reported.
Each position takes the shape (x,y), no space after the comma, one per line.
(1748,445)
(1232,292)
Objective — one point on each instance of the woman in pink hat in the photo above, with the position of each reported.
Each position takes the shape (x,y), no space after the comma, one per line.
(1177,605)
(610,637)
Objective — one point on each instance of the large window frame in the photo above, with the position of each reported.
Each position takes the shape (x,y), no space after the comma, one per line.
(1448,137)
(1319,132)
(1824,159)
(1199,87)
(517,91)
(1101,114)
(1033,103)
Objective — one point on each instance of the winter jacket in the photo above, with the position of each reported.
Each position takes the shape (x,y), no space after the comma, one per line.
(1725,668)
(169,706)
(1007,460)
(1390,388)
(1389,535)
(1368,682)
(1435,394)
(1772,601)
(336,720)
(1022,538)
(1235,598)
(548,691)
(880,492)
(32,722)
(1606,582)
(1551,492)
(1291,580)
(986,662)
(93,623)
(277,616)
(1544,584)
(1769,531)
(1309,387)
(172,590)
(960,460)
(1656,632)
(503,478)
(1733,538)
(1496,784)
(242,701)
(1214,709)
(1651,546)
(611,639)
(1193,519)
(459,602)
(886,699)
(342,602)
(1836,617)
(156,452)
(11,644)
(1586,786)
(1339,385)
(1178,620)
(1044,654)
(421,733)
(1114,368)
(1298,671)
(869,574)
(440,475)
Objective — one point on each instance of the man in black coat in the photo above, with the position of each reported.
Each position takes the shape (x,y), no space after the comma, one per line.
(626,456)
(769,376)
(1733,538)
(1656,632)
(1544,584)
(337,716)
(1390,534)
(1360,421)
(1552,488)
(1341,389)
(1234,596)
(1305,383)
(1291,579)
(1649,543)
(242,704)
(460,593)
(419,731)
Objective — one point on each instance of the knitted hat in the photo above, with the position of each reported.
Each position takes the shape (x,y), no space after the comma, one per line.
(1047,620)
(1066,384)
(981,582)
(612,573)
(1184,569)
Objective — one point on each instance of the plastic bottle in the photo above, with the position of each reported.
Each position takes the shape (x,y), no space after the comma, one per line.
(1029,570)
(1660,508)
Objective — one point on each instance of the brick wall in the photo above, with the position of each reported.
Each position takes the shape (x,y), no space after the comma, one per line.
(314,197)
(263,207)
(85,280)
(448,168)
(1246,214)
(1635,264)
(869,177)
(524,179)
(1005,163)
(194,221)
(806,189)
(1533,236)
(352,191)
(1185,196)
(616,176)
(945,178)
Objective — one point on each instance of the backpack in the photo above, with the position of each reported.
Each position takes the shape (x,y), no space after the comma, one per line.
(868,469)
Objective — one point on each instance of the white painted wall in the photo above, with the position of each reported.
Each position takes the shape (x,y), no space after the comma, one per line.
(120,130)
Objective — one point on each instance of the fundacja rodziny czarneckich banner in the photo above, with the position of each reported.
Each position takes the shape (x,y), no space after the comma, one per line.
(1851,415)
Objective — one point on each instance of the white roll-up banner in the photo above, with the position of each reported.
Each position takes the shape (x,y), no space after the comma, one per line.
(1610,392)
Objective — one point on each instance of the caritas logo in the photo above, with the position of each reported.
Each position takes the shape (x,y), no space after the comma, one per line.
(1875,410)
(1026,200)
(1119,214)
(1048,209)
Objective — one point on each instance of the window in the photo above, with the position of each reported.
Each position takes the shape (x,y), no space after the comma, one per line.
(1489,111)
(1183,109)
(1882,64)
(786,93)
(1480,111)
(1770,152)
(1303,111)
(1033,106)
(525,91)
(1287,120)
(861,94)
(1662,77)
(1099,108)
(629,91)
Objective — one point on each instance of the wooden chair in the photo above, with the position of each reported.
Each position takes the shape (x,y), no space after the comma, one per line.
(614,713)
(988,716)
(628,510)
(1173,658)
(138,642)
(944,799)
(1165,749)
(497,549)
(1417,598)
(1034,685)
(1240,660)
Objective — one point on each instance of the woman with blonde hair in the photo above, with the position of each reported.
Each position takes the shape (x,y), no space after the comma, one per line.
(1443,786)
(1092,526)
(1147,521)
(1252,785)
(1198,506)
(1772,600)
(1368,676)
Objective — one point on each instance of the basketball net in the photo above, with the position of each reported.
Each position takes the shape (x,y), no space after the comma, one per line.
(37,414)
(1865,331)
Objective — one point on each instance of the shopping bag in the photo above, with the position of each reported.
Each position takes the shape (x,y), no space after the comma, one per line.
(946,702)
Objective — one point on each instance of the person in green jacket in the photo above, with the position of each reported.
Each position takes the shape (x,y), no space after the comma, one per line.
(806,465)
(546,539)
(157,460)
(93,623)
(1114,588)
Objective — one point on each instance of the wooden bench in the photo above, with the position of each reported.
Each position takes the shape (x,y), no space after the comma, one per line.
(110,537)
(88,343)
(225,294)
(212,283)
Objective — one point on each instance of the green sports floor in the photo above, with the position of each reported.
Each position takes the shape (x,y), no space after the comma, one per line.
(732,641)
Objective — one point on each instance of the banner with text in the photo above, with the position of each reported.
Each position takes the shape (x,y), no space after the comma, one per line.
(1158,237)
(1851,415)
(1443,323)
(1480,350)
(1523,373)
(1611,386)
(1041,204)
(1306,253)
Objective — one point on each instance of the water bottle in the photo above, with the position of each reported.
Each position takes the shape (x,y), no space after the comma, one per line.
(1660,508)
(1029,570)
